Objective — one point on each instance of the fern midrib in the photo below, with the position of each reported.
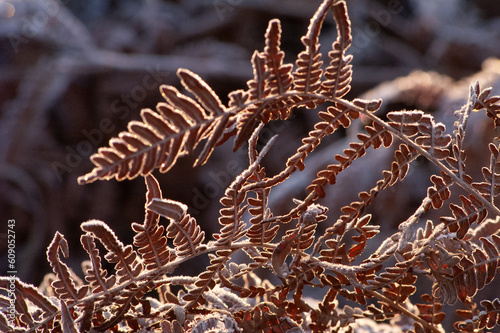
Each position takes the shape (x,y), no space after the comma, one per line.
(140,153)
(313,195)
(404,310)
(236,214)
(185,234)
(69,286)
(423,152)
(287,172)
(493,163)
(476,265)
(96,265)
(118,252)
(152,245)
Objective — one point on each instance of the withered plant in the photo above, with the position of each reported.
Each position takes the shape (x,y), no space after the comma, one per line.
(452,257)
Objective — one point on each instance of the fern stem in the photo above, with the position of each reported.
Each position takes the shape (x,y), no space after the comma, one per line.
(422,152)
(402,310)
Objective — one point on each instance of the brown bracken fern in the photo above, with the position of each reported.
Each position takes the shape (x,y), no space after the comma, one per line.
(457,253)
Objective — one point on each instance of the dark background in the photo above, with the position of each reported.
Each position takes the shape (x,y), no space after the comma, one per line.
(74,73)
